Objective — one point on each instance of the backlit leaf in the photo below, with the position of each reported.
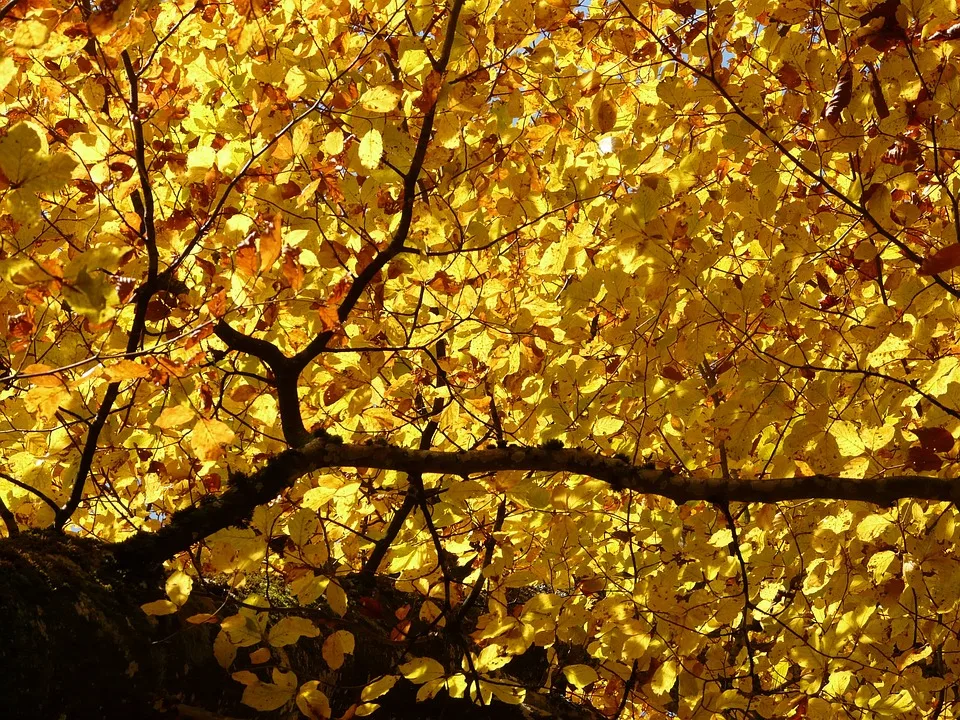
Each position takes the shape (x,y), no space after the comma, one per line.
(371,149)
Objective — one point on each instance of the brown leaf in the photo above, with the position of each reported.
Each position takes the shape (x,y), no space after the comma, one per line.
(429,92)
(329,319)
(672,372)
(245,259)
(291,269)
(606,116)
(841,95)
(789,75)
(922,459)
(876,92)
(942,260)
(823,283)
(937,439)
(69,126)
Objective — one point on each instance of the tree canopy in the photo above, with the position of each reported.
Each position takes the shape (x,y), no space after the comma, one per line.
(619,335)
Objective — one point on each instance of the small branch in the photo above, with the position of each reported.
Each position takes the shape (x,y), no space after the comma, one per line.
(379,552)
(724,508)
(144,206)
(489,546)
(416,484)
(143,294)
(410,501)
(32,490)
(627,690)
(368,273)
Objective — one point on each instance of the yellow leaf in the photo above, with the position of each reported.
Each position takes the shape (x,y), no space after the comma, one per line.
(336,646)
(378,687)
(838,683)
(269,696)
(175,416)
(429,690)
(421,670)
(872,527)
(7,72)
(290,629)
(201,618)
(30,34)
(295,83)
(45,401)
(242,630)
(509,694)
(848,438)
(365,709)
(371,149)
(159,607)
(456,685)
(580,675)
(380,99)
(664,677)
(24,159)
(721,538)
(223,650)
(208,438)
(336,598)
(333,143)
(178,586)
(127,370)
(312,702)
(91,294)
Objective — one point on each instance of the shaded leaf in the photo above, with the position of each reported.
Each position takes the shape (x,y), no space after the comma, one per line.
(949,33)
(841,95)
(942,260)
(937,439)
(923,459)
(876,92)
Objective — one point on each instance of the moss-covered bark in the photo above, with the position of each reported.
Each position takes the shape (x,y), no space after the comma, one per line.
(76,644)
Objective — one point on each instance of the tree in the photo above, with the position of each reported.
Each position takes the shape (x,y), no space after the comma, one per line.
(581,360)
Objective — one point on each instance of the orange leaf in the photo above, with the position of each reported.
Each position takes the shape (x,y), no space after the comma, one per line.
(271,242)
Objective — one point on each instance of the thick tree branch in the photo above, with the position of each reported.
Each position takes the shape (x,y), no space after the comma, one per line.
(238,502)
(287,370)
(285,378)
(13,529)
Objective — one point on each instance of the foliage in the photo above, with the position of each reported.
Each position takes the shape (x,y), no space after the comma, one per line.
(715,244)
